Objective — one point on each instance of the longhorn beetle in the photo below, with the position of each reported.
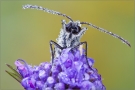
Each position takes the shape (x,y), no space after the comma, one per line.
(71,33)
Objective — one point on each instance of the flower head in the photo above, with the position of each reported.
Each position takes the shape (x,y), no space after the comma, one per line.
(69,71)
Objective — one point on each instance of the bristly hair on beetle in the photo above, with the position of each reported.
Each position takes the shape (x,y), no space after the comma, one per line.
(71,32)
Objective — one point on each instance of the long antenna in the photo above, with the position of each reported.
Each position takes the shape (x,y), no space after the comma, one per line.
(105,31)
(46,10)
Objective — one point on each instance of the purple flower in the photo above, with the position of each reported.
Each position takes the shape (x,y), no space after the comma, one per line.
(71,70)
(39,85)
(42,75)
(59,86)
(24,69)
(47,88)
(51,81)
(28,83)
(98,84)
(77,65)
(86,85)
(63,77)
(56,69)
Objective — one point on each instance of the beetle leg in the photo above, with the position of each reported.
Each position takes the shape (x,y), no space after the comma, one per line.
(51,48)
(81,43)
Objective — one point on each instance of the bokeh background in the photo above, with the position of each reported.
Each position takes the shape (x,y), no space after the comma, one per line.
(26,34)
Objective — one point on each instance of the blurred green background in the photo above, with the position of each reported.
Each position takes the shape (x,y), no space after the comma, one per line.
(26,34)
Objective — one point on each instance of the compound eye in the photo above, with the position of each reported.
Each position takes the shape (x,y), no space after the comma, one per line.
(76,30)
(68,27)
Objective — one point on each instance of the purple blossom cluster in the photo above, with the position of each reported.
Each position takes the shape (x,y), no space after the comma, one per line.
(70,71)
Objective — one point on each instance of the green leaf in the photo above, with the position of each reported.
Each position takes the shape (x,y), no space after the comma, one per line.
(14,76)
(15,72)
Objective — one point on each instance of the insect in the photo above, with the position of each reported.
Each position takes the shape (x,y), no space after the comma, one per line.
(71,33)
